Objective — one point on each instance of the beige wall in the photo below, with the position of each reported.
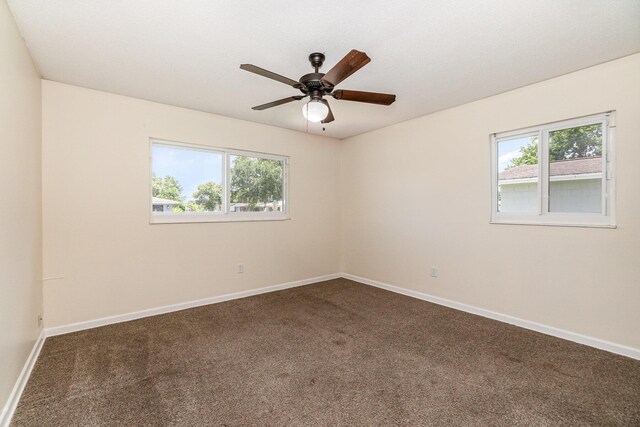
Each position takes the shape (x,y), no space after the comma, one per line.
(417,195)
(20,224)
(97,236)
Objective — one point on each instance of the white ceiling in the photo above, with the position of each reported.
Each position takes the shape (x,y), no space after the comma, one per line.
(432,54)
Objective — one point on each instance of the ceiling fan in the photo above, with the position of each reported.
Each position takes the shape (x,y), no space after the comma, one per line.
(317,85)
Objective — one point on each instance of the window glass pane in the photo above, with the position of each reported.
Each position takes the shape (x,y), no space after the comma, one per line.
(256,184)
(575,169)
(518,174)
(186,180)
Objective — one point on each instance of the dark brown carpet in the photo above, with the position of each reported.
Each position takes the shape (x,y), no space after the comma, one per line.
(335,353)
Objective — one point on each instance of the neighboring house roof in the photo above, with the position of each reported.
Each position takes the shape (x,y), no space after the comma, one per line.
(557,168)
(161,201)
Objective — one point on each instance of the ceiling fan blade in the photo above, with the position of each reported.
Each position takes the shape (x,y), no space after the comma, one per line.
(368,97)
(329,117)
(348,65)
(270,75)
(278,102)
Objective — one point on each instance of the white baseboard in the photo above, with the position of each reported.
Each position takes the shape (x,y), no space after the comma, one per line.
(80,326)
(623,350)
(14,397)
(548,330)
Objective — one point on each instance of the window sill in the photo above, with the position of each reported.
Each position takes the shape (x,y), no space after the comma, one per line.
(554,224)
(197,219)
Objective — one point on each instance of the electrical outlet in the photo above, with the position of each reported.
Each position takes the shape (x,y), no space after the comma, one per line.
(240,268)
(434,272)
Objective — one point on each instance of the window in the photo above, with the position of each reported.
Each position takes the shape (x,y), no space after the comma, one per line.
(556,174)
(201,184)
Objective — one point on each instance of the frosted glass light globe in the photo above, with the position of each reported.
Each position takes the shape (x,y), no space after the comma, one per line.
(315,111)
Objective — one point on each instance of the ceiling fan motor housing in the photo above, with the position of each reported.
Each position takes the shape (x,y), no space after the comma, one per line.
(312,82)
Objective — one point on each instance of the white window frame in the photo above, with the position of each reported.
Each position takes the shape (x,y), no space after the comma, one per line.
(224,215)
(543,216)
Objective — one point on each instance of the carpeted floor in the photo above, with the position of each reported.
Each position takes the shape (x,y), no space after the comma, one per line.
(335,353)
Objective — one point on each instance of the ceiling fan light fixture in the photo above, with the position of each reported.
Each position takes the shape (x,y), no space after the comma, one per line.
(315,111)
